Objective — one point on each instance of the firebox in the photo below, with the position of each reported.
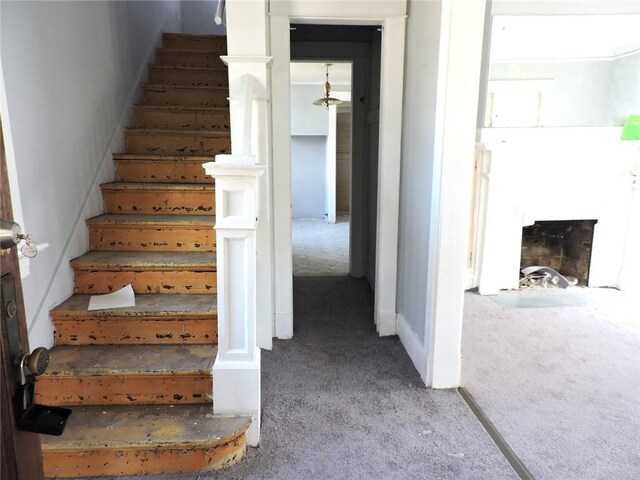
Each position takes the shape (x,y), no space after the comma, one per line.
(564,245)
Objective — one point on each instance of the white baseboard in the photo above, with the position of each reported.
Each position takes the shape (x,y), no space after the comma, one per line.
(386,323)
(414,347)
(284,326)
(237,392)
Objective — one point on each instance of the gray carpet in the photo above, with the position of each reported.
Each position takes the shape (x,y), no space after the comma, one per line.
(340,402)
(561,384)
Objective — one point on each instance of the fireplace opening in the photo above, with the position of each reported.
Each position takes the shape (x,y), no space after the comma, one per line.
(563,245)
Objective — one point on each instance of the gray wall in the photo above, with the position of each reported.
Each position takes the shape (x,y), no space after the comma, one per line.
(71,72)
(417,176)
(308,172)
(373,126)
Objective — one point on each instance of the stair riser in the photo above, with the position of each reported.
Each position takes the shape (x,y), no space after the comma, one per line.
(171,282)
(125,390)
(191,43)
(182,171)
(195,78)
(170,143)
(137,461)
(193,120)
(152,239)
(132,331)
(159,202)
(187,97)
(190,59)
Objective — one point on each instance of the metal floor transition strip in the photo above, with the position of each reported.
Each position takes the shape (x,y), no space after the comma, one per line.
(496,436)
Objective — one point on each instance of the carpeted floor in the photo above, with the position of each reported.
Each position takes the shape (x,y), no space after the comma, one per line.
(561,383)
(340,402)
(320,248)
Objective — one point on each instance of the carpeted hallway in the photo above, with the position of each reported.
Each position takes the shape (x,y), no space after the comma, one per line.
(340,402)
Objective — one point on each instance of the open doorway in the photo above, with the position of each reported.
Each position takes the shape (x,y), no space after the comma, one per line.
(554,356)
(320,167)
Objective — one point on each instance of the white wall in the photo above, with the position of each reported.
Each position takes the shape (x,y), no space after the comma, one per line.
(625,93)
(309,130)
(308,172)
(71,71)
(416,215)
(610,85)
(197,17)
(307,118)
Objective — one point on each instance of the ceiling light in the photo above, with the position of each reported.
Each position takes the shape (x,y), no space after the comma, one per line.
(327,99)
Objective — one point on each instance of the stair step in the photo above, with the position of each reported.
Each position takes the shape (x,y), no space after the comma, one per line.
(192,76)
(155,319)
(182,118)
(155,94)
(127,374)
(161,168)
(144,439)
(152,233)
(158,198)
(99,272)
(177,142)
(189,57)
(195,42)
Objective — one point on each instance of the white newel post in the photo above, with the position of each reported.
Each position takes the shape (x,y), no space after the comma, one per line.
(236,372)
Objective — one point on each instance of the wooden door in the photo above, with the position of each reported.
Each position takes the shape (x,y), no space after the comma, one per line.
(21,457)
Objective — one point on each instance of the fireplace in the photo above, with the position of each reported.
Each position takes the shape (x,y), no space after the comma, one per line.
(564,245)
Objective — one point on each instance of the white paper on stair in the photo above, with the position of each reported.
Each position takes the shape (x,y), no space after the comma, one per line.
(118,299)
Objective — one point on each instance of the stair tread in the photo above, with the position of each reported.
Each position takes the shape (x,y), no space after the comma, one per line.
(96,259)
(160,220)
(156,186)
(145,426)
(188,50)
(160,87)
(181,109)
(188,69)
(201,133)
(167,158)
(147,305)
(92,360)
(193,35)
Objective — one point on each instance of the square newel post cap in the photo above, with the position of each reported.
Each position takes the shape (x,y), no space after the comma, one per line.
(234,166)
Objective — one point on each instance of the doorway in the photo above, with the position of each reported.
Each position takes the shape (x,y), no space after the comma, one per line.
(321,167)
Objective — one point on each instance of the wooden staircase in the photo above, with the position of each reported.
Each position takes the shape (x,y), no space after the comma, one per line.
(139,379)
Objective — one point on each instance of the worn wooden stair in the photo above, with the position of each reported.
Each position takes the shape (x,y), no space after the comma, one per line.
(138,379)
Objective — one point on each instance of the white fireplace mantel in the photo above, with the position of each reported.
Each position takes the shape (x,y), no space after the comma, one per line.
(526,175)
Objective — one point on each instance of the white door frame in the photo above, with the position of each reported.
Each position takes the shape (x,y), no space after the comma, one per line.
(392,17)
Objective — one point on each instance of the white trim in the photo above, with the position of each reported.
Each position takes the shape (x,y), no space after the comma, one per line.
(244,59)
(390,151)
(462,28)
(331,166)
(413,345)
(281,154)
(237,391)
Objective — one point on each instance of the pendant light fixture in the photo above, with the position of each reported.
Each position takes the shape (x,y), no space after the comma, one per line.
(327,99)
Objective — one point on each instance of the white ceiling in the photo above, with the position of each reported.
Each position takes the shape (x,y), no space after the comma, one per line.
(563,36)
(311,73)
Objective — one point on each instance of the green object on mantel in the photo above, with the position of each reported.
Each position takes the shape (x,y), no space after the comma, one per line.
(631,129)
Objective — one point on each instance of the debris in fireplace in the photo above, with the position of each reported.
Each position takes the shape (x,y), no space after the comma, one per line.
(545,277)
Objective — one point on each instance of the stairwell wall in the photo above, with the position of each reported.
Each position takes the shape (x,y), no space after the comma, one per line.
(71,73)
